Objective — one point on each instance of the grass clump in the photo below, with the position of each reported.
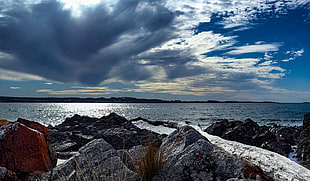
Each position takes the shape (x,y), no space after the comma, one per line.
(151,161)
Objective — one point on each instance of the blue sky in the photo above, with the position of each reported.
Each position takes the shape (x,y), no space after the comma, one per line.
(168,49)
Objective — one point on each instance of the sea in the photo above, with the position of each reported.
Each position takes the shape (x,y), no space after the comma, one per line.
(202,114)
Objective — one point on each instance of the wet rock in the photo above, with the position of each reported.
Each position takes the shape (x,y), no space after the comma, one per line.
(221,127)
(289,134)
(75,132)
(24,150)
(303,149)
(97,160)
(249,132)
(190,156)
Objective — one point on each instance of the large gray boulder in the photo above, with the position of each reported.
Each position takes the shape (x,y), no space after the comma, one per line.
(97,160)
(190,156)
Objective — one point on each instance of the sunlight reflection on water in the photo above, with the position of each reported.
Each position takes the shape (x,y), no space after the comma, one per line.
(204,114)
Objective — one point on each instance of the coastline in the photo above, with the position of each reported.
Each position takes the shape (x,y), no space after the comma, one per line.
(77,133)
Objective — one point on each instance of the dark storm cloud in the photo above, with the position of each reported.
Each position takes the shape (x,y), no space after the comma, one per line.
(176,63)
(45,39)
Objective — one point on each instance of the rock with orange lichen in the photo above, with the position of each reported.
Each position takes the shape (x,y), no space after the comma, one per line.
(3,122)
(24,150)
(39,127)
(35,125)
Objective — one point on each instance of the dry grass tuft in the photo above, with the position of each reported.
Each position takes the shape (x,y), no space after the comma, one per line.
(151,161)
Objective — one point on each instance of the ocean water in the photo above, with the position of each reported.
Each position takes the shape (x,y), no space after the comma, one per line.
(203,114)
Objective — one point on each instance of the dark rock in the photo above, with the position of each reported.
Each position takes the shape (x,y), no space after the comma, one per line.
(249,132)
(97,160)
(289,134)
(303,149)
(191,156)
(306,121)
(221,127)
(75,132)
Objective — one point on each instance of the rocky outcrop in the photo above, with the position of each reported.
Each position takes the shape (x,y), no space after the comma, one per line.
(277,139)
(303,150)
(190,156)
(76,131)
(97,160)
(25,150)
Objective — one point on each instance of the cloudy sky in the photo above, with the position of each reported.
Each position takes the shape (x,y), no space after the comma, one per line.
(168,49)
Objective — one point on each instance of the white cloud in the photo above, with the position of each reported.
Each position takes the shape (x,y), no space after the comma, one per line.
(293,54)
(15,88)
(255,49)
(17,76)
(233,25)
(80,91)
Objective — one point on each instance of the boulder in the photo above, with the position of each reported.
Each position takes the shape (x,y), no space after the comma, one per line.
(303,149)
(221,127)
(97,160)
(190,156)
(249,132)
(76,131)
(24,150)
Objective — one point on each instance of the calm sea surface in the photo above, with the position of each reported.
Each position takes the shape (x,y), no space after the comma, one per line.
(200,113)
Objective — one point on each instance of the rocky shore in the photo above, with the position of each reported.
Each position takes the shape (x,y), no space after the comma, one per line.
(113,148)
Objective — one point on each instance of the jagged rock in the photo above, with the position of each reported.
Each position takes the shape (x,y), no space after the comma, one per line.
(221,127)
(190,156)
(75,132)
(303,150)
(97,160)
(24,150)
(249,132)
(290,134)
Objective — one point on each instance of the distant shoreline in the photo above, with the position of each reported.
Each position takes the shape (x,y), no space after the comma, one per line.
(5,99)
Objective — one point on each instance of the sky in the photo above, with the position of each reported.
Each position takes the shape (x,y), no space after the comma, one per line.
(256,50)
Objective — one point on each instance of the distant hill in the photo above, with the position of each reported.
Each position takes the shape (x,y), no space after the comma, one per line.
(106,100)
(80,100)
